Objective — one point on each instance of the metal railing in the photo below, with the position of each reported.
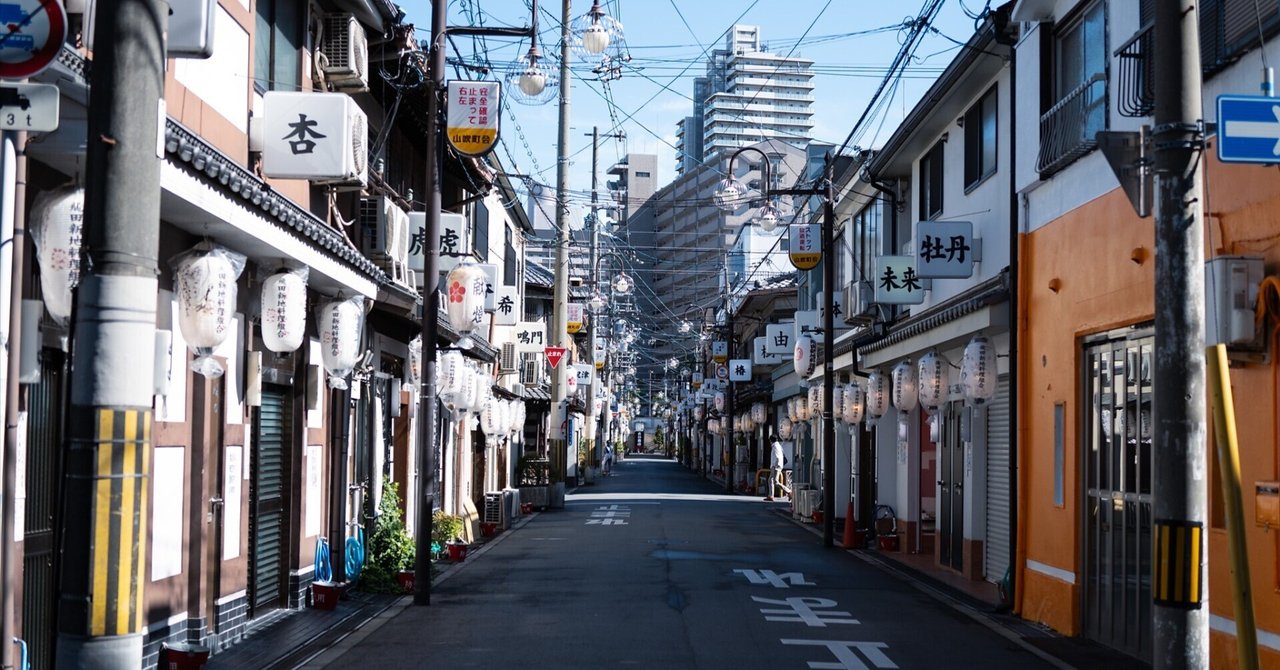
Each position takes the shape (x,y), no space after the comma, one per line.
(1068,130)
(1135,93)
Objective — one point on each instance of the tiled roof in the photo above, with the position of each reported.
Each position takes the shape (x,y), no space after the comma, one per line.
(536,275)
(540,392)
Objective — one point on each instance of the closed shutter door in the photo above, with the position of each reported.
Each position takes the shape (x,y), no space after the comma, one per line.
(999,484)
(267,524)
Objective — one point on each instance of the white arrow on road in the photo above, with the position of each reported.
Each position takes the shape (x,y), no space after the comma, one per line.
(1256,129)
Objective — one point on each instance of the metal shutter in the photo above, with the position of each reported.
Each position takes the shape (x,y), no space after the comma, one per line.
(267,523)
(999,486)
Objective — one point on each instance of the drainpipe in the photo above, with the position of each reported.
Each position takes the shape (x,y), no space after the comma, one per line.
(14,212)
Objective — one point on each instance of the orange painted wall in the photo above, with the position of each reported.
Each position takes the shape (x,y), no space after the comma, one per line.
(1078,278)
(1087,254)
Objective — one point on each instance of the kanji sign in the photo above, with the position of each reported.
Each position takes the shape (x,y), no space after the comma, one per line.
(805,250)
(531,336)
(697,380)
(491,281)
(719,351)
(807,323)
(573,323)
(309,135)
(507,310)
(554,354)
(598,354)
(473,116)
(740,370)
(897,282)
(584,373)
(453,233)
(779,338)
(947,249)
(760,352)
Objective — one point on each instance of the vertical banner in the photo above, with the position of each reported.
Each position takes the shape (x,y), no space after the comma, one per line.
(473,116)
(573,323)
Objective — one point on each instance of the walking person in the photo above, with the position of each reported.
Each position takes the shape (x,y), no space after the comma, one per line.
(777,459)
(608,460)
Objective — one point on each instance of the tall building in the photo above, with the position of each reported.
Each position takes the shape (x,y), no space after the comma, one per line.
(748,95)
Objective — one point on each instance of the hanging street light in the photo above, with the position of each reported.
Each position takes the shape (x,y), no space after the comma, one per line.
(594,32)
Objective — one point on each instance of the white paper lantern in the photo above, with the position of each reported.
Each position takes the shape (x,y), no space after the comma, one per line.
(205,281)
(698,412)
(57,221)
(414,369)
(284,310)
(450,371)
(719,401)
(932,380)
(837,402)
(904,386)
(468,396)
(465,287)
(784,428)
(340,324)
(803,356)
(978,371)
(802,408)
(759,413)
(877,394)
(852,411)
(570,381)
(517,418)
(484,391)
(814,403)
(491,418)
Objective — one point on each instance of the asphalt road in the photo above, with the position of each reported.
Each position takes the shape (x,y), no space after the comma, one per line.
(656,568)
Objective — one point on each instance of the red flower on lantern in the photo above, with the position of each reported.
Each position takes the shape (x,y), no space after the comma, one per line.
(457,291)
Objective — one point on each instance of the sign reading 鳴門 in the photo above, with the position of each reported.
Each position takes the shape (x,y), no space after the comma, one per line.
(473,116)
(805,250)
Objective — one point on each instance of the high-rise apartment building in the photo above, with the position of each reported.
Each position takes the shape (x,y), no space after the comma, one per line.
(747,96)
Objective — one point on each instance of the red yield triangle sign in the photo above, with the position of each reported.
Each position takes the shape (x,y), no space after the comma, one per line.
(554,354)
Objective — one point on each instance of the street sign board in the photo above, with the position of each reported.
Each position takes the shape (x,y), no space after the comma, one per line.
(947,249)
(1248,129)
(554,354)
(897,282)
(29,107)
(36,31)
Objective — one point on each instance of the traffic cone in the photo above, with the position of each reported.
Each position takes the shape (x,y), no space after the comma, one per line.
(847,541)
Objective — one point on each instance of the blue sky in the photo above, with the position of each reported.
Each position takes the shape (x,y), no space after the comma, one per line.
(851,41)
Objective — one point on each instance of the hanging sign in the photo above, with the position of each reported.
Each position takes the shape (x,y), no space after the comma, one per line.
(554,354)
(453,231)
(573,322)
(507,311)
(947,249)
(584,373)
(473,116)
(760,352)
(697,380)
(807,323)
(598,354)
(719,351)
(490,288)
(897,282)
(531,336)
(740,370)
(805,249)
(778,339)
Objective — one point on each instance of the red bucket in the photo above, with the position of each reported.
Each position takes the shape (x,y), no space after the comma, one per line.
(888,542)
(324,595)
(457,552)
(405,577)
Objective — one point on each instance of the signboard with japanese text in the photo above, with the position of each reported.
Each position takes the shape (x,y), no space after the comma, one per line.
(697,380)
(473,116)
(453,235)
(507,310)
(491,282)
(598,354)
(897,282)
(805,250)
(531,336)
(807,323)
(584,372)
(573,322)
(740,370)
(310,135)
(837,311)
(719,351)
(760,352)
(947,249)
(779,338)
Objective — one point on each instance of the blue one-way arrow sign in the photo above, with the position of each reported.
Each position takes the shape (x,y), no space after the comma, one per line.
(1248,129)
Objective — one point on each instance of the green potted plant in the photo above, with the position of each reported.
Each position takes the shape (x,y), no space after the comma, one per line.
(391,551)
(446,534)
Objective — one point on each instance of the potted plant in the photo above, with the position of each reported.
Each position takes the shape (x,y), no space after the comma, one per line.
(391,550)
(446,533)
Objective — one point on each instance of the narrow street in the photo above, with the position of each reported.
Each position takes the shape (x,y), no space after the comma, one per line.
(655,567)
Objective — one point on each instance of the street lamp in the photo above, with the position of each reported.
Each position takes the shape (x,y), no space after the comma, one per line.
(528,80)
(729,194)
(595,31)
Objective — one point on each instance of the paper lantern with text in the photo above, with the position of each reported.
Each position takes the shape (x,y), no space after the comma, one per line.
(837,402)
(904,386)
(341,324)
(204,278)
(932,380)
(465,288)
(877,394)
(57,222)
(853,406)
(802,408)
(978,371)
(284,310)
(491,419)
(784,428)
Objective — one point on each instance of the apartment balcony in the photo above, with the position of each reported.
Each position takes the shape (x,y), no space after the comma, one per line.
(1136,96)
(1069,129)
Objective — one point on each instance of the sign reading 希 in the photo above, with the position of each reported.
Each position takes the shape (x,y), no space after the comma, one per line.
(473,116)
(947,249)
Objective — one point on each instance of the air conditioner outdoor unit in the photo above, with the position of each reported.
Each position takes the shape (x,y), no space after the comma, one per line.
(384,235)
(345,53)
(530,372)
(356,162)
(507,363)
(858,307)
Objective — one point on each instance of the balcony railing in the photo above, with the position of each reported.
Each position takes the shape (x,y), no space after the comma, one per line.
(1068,130)
(1136,96)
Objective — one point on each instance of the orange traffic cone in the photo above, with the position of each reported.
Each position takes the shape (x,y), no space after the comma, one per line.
(847,541)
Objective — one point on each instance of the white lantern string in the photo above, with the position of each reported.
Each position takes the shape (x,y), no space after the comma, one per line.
(877,394)
(932,380)
(57,222)
(852,410)
(205,281)
(284,309)
(341,324)
(904,386)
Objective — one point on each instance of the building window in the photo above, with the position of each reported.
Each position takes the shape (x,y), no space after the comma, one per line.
(980,140)
(480,233)
(510,263)
(277,45)
(1229,28)
(1077,96)
(642,174)
(931,183)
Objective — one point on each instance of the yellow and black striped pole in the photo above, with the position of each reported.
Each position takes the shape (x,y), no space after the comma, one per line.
(104,540)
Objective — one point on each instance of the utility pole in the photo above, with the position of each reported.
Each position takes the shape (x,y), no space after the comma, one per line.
(1180,617)
(102,603)
(558,444)
(13,164)
(730,340)
(601,439)
(828,353)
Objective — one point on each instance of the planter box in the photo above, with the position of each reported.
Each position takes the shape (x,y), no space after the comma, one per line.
(405,577)
(457,552)
(888,542)
(488,529)
(183,656)
(324,595)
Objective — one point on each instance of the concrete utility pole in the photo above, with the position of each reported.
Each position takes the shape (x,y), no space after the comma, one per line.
(13,166)
(601,438)
(1180,618)
(828,353)
(560,297)
(100,612)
